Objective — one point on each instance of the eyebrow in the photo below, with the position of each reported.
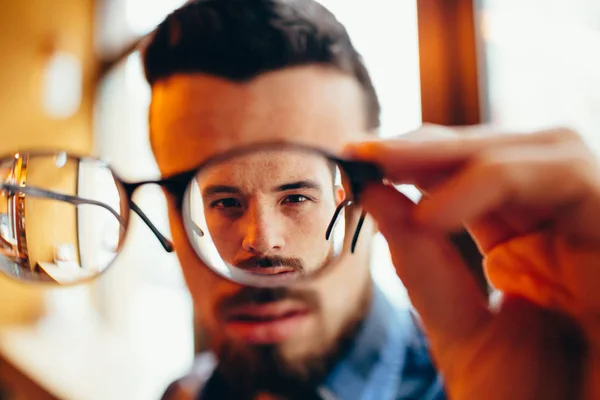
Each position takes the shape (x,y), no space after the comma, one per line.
(298,185)
(216,189)
(219,189)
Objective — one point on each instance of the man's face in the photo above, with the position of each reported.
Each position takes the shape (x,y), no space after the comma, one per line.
(266,337)
(267,211)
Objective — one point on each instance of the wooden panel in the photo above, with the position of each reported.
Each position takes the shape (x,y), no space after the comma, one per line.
(450,91)
(448,62)
(29,30)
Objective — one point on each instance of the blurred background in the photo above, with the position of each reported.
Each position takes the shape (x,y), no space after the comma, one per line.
(71,78)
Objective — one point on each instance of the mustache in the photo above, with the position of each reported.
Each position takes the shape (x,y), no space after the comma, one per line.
(257,296)
(270,261)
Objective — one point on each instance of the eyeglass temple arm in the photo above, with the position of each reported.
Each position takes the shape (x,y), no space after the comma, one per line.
(336,214)
(359,173)
(166,243)
(358,226)
(75,200)
(361,221)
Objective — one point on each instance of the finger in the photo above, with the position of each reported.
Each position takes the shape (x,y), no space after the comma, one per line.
(535,176)
(507,222)
(439,285)
(489,231)
(404,159)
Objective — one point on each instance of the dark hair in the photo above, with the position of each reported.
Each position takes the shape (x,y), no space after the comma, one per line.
(241,39)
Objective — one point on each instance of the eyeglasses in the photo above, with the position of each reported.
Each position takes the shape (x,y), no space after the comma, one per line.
(265,214)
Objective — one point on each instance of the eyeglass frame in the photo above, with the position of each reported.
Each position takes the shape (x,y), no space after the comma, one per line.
(359,174)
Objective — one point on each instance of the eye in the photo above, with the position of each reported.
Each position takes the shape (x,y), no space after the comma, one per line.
(295,198)
(225,203)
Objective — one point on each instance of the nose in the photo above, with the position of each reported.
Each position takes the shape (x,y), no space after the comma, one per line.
(262,233)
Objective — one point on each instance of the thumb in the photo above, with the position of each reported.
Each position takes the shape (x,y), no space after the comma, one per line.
(441,288)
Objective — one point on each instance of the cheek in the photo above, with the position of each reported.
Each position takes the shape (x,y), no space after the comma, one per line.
(310,233)
(225,236)
(308,222)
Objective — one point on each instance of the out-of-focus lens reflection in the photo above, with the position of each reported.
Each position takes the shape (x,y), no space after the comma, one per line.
(264,217)
(62,218)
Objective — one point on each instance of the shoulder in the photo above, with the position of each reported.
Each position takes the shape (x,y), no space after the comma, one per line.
(189,386)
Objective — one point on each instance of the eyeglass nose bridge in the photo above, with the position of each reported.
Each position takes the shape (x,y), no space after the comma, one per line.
(175,185)
(130,188)
(166,243)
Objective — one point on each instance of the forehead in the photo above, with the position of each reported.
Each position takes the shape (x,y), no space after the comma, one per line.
(267,169)
(193,116)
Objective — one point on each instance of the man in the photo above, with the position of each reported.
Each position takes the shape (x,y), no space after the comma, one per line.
(226,73)
(266,212)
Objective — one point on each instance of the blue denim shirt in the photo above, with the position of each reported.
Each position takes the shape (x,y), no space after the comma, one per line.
(389,360)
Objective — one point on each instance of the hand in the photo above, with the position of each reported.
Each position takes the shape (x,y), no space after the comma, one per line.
(532,204)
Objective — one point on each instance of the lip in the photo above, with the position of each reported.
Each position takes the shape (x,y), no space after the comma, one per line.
(266,323)
(270,270)
(274,275)
(267,278)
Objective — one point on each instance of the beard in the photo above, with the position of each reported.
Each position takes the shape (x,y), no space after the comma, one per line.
(247,370)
